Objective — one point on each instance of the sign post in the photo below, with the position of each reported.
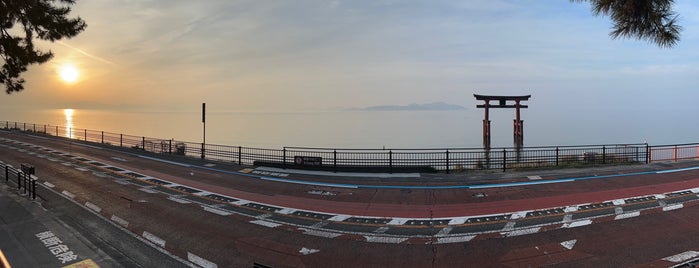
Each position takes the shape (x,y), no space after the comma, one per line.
(203,120)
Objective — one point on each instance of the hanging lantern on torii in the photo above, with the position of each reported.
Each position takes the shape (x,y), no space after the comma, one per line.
(502,102)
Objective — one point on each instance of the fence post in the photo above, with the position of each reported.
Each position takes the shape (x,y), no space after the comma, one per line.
(674,155)
(604,154)
(33,189)
(447,154)
(284,157)
(85,137)
(143,144)
(102,137)
(19,181)
(504,160)
(557,156)
(649,156)
(121,140)
(390,161)
(240,149)
(34,127)
(45,130)
(169,146)
(334,160)
(56,131)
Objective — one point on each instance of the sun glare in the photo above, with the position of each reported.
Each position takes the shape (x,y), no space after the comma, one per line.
(69,73)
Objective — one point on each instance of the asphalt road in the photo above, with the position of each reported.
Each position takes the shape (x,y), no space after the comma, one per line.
(230,216)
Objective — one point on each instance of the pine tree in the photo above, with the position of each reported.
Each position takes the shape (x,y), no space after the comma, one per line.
(652,20)
(23,20)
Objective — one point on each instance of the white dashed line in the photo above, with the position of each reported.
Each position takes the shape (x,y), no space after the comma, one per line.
(627,215)
(673,207)
(385,239)
(266,223)
(204,263)
(684,256)
(455,239)
(156,240)
(577,224)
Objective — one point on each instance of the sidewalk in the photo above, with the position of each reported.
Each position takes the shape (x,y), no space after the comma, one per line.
(31,237)
(66,235)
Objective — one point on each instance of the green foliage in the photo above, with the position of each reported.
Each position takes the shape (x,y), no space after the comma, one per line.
(45,19)
(652,20)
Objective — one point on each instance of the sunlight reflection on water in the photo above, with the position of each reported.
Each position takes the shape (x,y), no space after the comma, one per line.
(69,122)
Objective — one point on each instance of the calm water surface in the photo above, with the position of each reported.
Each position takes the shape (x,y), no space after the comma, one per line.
(366,129)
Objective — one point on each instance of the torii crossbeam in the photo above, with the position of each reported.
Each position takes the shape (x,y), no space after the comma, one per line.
(502,102)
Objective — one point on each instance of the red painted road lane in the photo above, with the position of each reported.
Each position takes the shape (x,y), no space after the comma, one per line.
(448,210)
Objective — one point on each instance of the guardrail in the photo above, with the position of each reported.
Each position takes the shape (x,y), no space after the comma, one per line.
(25,183)
(384,160)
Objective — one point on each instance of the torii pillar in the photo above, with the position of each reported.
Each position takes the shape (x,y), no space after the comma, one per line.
(501,102)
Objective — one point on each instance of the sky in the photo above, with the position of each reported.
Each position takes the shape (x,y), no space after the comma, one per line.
(172,55)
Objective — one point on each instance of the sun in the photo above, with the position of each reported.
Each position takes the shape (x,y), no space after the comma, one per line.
(68,73)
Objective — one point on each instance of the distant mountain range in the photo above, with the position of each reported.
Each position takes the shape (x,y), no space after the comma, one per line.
(435,106)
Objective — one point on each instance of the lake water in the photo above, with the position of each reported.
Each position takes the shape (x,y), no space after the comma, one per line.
(367,129)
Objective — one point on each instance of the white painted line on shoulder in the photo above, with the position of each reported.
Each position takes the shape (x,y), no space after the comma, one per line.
(339,217)
(457,221)
(577,224)
(659,196)
(307,251)
(398,221)
(203,193)
(48,184)
(673,207)
(455,239)
(619,202)
(81,169)
(627,215)
(156,240)
(385,239)
(240,202)
(569,244)
(320,233)
(519,214)
(519,232)
(217,211)
(120,221)
(684,256)
(570,209)
(204,263)
(286,211)
(266,223)
(93,207)
(178,200)
(534,178)
(68,194)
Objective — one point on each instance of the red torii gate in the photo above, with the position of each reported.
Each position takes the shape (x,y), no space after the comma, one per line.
(502,103)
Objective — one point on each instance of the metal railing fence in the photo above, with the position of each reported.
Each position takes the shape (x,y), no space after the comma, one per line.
(25,183)
(385,160)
